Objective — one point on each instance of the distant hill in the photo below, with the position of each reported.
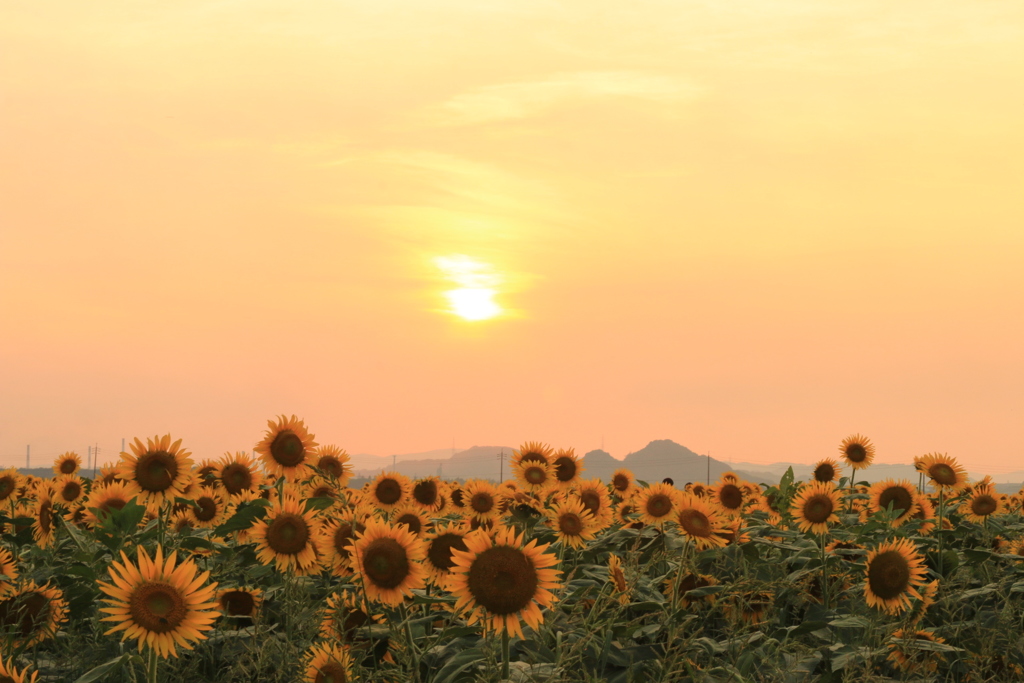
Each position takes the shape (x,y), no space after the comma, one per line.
(660,459)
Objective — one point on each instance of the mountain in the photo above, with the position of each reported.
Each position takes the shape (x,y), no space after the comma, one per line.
(660,459)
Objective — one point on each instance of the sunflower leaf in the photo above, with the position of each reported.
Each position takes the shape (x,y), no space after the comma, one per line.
(318,503)
(104,670)
(244,517)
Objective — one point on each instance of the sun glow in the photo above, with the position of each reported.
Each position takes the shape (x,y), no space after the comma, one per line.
(473,299)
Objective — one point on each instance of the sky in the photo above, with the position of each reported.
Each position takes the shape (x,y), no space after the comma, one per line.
(753,228)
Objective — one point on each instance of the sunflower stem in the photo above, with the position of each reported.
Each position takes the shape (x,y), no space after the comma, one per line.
(942,507)
(824,574)
(151,665)
(412,643)
(504,654)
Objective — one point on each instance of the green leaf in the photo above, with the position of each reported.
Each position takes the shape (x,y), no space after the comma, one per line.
(702,592)
(318,503)
(245,516)
(103,671)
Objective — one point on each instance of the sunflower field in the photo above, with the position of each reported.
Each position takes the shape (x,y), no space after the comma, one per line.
(271,568)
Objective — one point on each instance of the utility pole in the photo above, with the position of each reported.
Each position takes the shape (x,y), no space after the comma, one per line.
(501,466)
(95,459)
(88,457)
(709,468)
(28,457)
(394,462)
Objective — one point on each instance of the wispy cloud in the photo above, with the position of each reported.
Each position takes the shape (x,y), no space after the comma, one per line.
(506,101)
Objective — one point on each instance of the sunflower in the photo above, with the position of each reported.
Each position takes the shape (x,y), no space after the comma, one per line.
(534,475)
(319,486)
(43,526)
(440,542)
(9,674)
(333,462)
(69,463)
(327,663)
(159,602)
(699,521)
(286,447)
(827,470)
(389,561)
(568,467)
(239,602)
(751,607)
(532,451)
(344,615)
(107,497)
(8,571)
(499,580)
(691,582)
(623,483)
(412,517)
(814,507)
(456,496)
(730,477)
(1016,548)
(573,523)
(336,536)
(902,495)
(594,495)
(10,481)
(656,503)
(68,489)
(31,614)
(390,490)
(157,471)
(208,509)
(908,657)
(699,489)
(847,550)
(426,493)
(728,496)
(287,537)
(237,474)
(894,571)
(625,510)
(733,533)
(857,451)
(617,579)
(482,499)
(945,472)
(983,503)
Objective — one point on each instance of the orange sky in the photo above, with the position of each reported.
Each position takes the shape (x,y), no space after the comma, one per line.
(753,228)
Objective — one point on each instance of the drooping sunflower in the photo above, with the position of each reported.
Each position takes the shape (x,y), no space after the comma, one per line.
(983,503)
(857,451)
(827,470)
(102,499)
(239,602)
(10,481)
(534,475)
(500,581)
(237,474)
(623,483)
(286,448)
(699,489)
(617,578)
(894,571)
(389,561)
(568,467)
(319,486)
(907,657)
(159,602)
(729,496)
(336,536)
(751,607)
(334,462)
(43,513)
(31,614)
(8,571)
(690,582)
(344,615)
(814,507)
(847,550)
(426,493)
(389,490)
(412,517)
(208,509)
(456,496)
(440,543)
(68,489)
(902,495)
(157,471)
(657,503)
(572,522)
(10,674)
(699,521)
(532,451)
(482,500)
(327,663)
(68,463)
(945,472)
(594,495)
(625,512)
(287,538)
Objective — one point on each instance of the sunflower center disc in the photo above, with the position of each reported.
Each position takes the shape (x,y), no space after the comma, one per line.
(67,467)
(818,509)
(825,473)
(533,457)
(331,672)
(236,478)
(389,492)
(731,497)
(856,452)
(157,607)
(659,505)
(888,575)
(331,466)
(71,491)
(287,449)
(620,482)
(457,497)
(591,501)
(385,563)
(207,509)
(425,493)
(535,475)
(440,551)
(942,474)
(412,521)
(288,534)
(26,612)
(481,502)
(238,603)
(502,580)
(45,517)
(899,497)
(565,468)
(343,537)
(6,488)
(156,470)
(983,505)
(352,619)
(112,504)
(570,524)
(695,523)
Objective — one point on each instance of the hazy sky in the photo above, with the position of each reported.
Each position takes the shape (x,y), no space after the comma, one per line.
(750,227)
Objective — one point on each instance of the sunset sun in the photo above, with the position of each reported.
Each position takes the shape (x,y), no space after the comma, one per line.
(473,298)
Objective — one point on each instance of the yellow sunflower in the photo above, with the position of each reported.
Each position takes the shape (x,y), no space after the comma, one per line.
(730,478)
(412,517)
(902,495)
(907,657)
(857,451)
(751,607)
(336,536)
(623,483)
(206,473)
(344,615)
(847,550)
(286,448)
(327,663)
(161,603)
(534,475)
(68,489)
(482,500)
(238,474)
(945,472)
(157,471)
(31,614)
(104,498)
(500,581)
(43,528)
(532,451)
(456,496)
(107,475)
(319,486)
(389,561)
(594,495)
(699,521)
(287,538)
(894,571)
(814,507)
(573,523)
(625,512)
(983,503)
(390,490)
(10,674)
(729,496)
(8,571)
(239,602)
(617,579)
(827,470)
(440,543)
(69,463)
(208,509)
(657,503)
(691,582)
(10,481)
(426,493)
(333,462)
(568,467)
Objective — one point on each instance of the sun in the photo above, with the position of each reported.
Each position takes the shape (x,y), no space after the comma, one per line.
(476,286)
(473,304)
